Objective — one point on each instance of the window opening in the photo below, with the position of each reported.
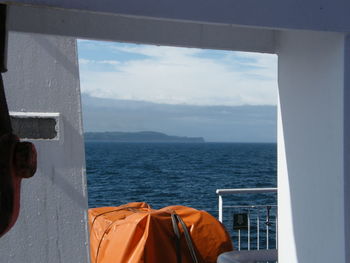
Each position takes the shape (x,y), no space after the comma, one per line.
(170,126)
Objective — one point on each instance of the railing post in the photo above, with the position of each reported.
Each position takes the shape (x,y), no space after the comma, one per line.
(220,208)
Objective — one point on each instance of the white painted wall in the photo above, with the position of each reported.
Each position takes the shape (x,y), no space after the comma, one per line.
(310,148)
(311,14)
(312,171)
(104,26)
(43,77)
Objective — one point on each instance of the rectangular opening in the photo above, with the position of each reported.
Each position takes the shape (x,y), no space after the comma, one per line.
(35,125)
(133,92)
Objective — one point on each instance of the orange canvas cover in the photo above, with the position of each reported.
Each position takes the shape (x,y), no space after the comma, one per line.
(135,233)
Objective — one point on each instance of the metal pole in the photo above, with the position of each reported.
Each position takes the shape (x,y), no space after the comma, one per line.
(220,208)
(258,231)
(267,236)
(248,229)
(239,239)
(276,229)
(268,223)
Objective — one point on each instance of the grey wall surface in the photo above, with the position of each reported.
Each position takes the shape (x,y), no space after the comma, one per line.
(106,26)
(310,14)
(311,203)
(43,77)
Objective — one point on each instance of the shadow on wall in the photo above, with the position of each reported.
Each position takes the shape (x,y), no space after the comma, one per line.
(65,171)
(311,109)
(62,59)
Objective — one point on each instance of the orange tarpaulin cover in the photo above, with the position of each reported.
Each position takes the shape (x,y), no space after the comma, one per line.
(135,233)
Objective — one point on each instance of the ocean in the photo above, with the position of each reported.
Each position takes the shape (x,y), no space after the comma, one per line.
(163,174)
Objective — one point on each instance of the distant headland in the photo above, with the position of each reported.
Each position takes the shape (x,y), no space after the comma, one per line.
(144,136)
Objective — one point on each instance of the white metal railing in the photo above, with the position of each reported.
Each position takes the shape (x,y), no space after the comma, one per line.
(269,210)
(221,192)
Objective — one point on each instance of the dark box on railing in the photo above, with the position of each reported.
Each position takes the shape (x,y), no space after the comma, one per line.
(240,221)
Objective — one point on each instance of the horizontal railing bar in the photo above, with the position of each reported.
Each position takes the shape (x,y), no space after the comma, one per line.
(245,191)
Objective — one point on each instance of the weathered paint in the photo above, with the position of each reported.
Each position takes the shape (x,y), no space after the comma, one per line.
(35,125)
(43,73)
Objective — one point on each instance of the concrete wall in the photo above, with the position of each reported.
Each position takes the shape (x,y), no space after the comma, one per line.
(310,148)
(43,77)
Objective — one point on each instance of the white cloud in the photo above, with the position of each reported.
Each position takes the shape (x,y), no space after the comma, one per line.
(83,61)
(109,62)
(184,76)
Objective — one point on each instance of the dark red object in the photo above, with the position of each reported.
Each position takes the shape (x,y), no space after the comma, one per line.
(17,159)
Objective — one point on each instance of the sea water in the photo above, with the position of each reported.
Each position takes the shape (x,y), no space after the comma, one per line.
(164,174)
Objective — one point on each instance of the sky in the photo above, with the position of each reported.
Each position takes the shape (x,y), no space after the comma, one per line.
(218,95)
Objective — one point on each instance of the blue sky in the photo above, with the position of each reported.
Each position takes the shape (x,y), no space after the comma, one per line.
(179,77)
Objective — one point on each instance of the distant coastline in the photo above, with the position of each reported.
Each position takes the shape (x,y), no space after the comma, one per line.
(144,136)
